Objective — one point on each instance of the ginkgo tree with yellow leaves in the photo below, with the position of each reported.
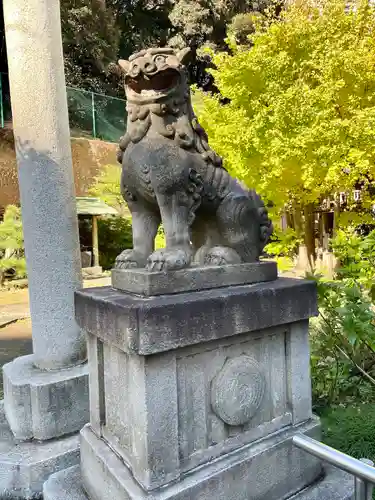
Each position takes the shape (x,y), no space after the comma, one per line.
(299,125)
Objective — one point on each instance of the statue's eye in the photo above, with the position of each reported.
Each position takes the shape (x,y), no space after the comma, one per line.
(160,59)
(134,70)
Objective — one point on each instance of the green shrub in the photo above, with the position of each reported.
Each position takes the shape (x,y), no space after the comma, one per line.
(283,248)
(284,243)
(115,235)
(343,336)
(351,430)
(106,186)
(11,243)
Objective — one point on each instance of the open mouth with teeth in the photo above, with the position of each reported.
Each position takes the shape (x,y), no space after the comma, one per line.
(160,82)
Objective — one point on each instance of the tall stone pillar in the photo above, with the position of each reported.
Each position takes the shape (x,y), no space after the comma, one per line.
(41,131)
(45,394)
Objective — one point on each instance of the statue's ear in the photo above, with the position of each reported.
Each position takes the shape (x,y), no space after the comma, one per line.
(184,55)
(124,65)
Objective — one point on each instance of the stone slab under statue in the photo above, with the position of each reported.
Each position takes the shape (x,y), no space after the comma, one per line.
(198,353)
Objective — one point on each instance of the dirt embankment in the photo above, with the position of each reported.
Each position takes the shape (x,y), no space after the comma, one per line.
(89,157)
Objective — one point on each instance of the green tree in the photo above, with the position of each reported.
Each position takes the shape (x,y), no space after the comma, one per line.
(90,42)
(141,23)
(96,33)
(204,23)
(200,21)
(299,125)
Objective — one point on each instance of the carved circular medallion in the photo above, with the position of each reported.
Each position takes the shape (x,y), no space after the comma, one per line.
(237,390)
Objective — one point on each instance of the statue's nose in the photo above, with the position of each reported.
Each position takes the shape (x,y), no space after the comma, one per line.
(148,67)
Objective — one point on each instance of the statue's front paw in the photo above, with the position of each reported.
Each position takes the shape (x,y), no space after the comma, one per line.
(130,259)
(168,260)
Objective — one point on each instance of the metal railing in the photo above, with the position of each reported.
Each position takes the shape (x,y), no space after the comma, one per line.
(362,470)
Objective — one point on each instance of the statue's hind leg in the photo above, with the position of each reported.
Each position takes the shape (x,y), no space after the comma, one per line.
(238,224)
(204,236)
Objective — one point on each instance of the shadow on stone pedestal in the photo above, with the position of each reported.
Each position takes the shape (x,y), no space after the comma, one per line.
(196,395)
(40,417)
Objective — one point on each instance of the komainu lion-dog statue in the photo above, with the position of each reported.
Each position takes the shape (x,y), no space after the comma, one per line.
(171,175)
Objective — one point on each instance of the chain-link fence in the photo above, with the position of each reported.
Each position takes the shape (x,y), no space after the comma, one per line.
(90,114)
(5,109)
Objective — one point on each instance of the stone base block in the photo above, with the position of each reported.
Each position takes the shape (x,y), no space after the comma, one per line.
(25,466)
(142,282)
(92,272)
(269,469)
(334,485)
(65,485)
(45,405)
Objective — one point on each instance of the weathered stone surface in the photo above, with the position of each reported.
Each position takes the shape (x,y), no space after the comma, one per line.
(158,412)
(65,485)
(45,405)
(86,258)
(267,470)
(142,282)
(336,485)
(155,324)
(25,466)
(91,272)
(237,390)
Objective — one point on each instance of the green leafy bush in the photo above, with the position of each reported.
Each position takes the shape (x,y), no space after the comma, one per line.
(11,244)
(357,257)
(115,235)
(343,336)
(106,186)
(283,243)
(283,248)
(351,430)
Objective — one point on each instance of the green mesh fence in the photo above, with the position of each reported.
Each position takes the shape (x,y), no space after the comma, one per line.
(109,117)
(5,109)
(95,115)
(90,114)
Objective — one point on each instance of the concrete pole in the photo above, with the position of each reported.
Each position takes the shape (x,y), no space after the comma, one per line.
(41,131)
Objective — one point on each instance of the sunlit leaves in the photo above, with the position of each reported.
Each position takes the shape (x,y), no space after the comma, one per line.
(300,122)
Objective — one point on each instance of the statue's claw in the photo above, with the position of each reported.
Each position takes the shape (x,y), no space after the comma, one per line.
(130,259)
(167,260)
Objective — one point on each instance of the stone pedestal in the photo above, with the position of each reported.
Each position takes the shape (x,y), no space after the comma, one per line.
(195,394)
(46,394)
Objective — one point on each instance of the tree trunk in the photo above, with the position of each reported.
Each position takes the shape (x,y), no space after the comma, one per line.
(336,216)
(297,218)
(289,219)
(310,234)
